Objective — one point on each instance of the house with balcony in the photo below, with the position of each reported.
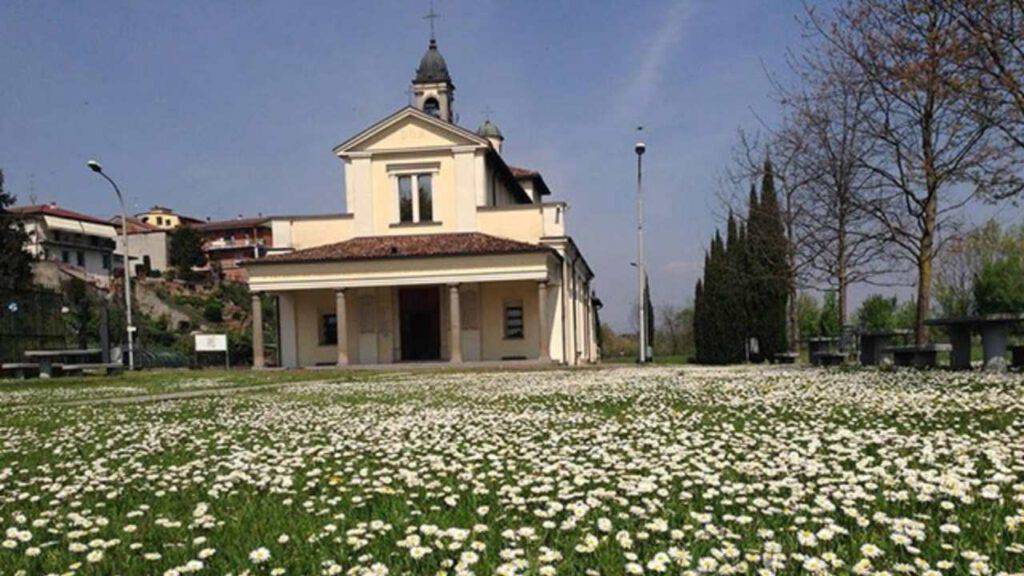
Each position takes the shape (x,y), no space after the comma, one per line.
(77,242)
(163,218)
(227,243)
(445,253)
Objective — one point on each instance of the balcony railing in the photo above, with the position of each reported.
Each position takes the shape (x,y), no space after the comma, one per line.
(228,244)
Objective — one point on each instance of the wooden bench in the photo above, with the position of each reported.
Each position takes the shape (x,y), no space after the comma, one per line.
(918,356)
(19,370)
(786,358)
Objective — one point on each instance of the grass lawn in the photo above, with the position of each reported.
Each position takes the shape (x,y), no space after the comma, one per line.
(616,471)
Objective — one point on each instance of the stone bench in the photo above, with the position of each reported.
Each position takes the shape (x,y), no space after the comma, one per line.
(99,368)
(1017,356)
(19,370)
(918,356)
(786,358)
(828,358)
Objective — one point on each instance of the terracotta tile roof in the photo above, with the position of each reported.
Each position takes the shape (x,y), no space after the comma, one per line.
(232,224)
(54,210)
(409,246)
(523,172)
(135,226)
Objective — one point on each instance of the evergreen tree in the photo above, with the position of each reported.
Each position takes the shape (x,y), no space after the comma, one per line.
(15,262)
(186,250)
(768,270)
(648,319)
(698,320)
(734,297)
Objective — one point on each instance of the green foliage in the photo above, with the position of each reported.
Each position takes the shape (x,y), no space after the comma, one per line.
(808,315)
(999,288)
(15,262)
(964,258)
(906,315)
(828,322)
(81,309)
(745,287)
(877,313)
(186,251)
(213,311)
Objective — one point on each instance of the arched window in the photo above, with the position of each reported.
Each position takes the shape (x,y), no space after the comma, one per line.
(431,106)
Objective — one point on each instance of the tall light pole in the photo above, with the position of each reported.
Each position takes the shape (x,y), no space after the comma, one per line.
(641,271)
(95,167)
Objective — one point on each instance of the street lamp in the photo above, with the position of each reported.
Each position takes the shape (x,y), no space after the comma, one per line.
(641,273)
(95,167)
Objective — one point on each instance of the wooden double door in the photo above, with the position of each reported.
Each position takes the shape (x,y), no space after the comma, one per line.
(420,323)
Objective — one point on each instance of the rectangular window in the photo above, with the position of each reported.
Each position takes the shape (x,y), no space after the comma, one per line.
(328,330)
(514,320)
(65,256)
(80,258)
(426,197)
(415,198)
(405,199)
(106,261)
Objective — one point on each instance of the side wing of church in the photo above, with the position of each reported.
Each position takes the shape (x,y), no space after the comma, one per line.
(446,253)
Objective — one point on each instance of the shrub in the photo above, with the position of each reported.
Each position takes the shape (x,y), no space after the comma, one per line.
(999,287)
(213,311)
(877,313)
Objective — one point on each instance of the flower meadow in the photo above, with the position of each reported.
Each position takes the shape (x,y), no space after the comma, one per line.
(612,471)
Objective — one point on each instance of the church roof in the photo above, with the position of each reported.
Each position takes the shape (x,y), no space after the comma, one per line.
(432,68)
(489,130)
(406,246)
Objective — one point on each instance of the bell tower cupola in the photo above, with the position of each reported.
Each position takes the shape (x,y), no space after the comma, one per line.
(432,88)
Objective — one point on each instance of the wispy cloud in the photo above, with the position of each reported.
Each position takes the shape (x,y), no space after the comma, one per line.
(655,56)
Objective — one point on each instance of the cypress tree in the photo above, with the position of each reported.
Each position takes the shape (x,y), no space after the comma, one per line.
(769,272)
(698,319)
(15,262)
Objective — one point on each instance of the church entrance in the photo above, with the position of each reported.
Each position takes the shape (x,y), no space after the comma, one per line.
(420,323)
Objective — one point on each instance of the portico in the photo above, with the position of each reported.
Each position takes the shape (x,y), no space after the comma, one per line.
(458,308)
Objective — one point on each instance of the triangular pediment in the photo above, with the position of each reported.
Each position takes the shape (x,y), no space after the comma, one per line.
(410,129)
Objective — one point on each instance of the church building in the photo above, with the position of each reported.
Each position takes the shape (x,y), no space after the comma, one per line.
(446,252)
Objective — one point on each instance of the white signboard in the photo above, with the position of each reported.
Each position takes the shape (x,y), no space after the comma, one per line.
(211,342)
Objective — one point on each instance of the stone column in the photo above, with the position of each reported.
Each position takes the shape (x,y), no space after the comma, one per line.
(257,332)
(341,323)
(544,353)
(993,344)
(455,319)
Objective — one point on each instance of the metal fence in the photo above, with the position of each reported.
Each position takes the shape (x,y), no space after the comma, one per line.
(30,320)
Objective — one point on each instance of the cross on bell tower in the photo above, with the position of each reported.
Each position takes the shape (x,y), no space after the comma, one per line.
(432,88)
(431,16)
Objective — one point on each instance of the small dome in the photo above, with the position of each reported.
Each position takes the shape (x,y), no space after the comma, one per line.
(432,68)
(489,130)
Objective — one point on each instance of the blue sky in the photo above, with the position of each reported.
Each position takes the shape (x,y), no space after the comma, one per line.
(216,108)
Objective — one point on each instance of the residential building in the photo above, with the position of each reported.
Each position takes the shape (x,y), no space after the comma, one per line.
(445,253)
(72,239)
(149,246)
(227,243)
(164,218)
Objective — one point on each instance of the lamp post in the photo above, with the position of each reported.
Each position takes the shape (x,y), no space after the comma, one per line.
(95,167)
(640,267)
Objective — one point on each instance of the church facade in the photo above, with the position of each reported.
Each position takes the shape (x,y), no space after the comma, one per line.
(446,253)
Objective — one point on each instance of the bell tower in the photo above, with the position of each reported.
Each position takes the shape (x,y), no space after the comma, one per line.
(432,88)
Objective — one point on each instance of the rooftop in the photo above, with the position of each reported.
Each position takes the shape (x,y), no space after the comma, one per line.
(53,210)
(406,246)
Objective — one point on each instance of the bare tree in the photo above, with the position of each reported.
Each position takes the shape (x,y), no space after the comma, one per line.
(932,153)
(843,242)
(994,39)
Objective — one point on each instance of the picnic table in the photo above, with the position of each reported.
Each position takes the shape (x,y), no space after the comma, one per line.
(48,359)
(819,350)
(874,343)
(994,330)
(926,356)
